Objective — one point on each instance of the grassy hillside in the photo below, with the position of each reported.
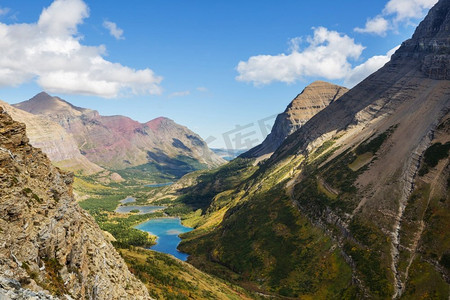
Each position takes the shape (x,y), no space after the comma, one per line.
(170,278)
(266,245)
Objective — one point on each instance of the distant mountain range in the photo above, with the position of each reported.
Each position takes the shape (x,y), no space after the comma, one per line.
(118,142)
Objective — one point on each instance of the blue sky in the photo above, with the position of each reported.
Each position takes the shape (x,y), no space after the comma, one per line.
(208,65)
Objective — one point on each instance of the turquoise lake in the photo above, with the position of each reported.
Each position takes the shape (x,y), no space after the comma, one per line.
(167,231)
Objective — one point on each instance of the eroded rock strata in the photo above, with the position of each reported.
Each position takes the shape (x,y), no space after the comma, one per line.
(48,244)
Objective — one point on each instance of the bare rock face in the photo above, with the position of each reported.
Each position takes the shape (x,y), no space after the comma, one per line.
(11,289)
(118,142)
(430,44)
(48,244)
(54,141)
(309,102)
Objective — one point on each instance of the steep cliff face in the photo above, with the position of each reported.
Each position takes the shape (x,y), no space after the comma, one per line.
(309,102)
(118,142)
(49,245)
(430,44)
(353,204)
(54,141)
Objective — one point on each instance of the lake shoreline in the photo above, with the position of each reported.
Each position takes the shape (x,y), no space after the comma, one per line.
(167,229)
(167,235)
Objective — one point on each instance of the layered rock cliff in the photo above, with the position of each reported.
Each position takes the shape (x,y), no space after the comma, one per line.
(430,44)
(48,244)
(54,141)
(309,102)
(118,142)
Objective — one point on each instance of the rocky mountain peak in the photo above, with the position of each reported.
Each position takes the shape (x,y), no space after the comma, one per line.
(158,122)
(159,119)
(315,96)
(49,244)
(45,104)
(437,23)
(309,102)
(430,44)
(42,96)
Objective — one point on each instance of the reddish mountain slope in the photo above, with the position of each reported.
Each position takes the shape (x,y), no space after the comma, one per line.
(118,142)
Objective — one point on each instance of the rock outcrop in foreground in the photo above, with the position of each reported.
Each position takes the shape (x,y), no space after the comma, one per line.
(48,244)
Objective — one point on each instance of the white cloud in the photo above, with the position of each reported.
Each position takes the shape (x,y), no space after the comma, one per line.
(359,73)
(408,9)
(50,52)
(114,30)
(396,12)
(62,17)
(327,56)
(4,11)
(377,25)
(202,89)
(180,94)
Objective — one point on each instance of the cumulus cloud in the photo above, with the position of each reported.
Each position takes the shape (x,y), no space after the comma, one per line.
(360,72)
(327,55)
(51,53)
(180,94)
(377,25)
(114,30)
(403,10)
(396,12)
